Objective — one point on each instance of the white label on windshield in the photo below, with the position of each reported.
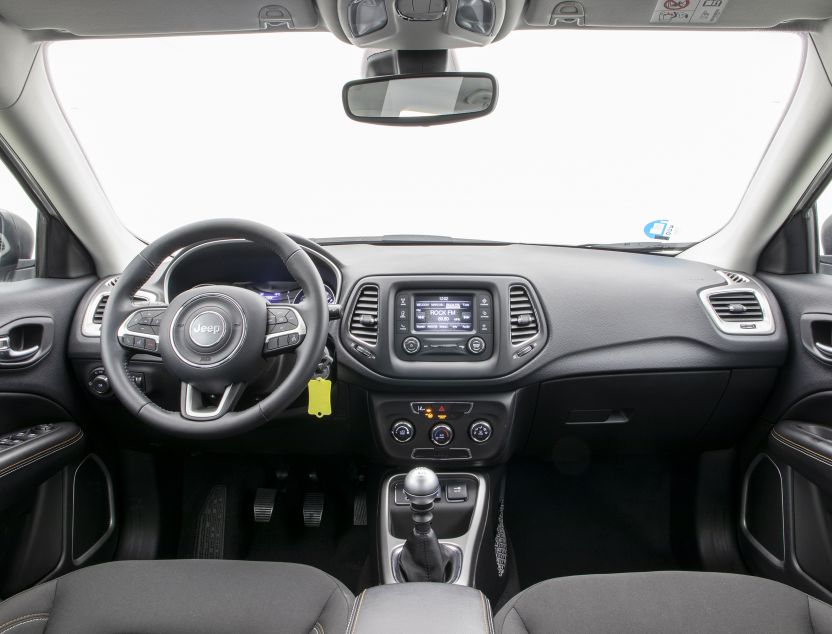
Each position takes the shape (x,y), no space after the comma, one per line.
(687,11)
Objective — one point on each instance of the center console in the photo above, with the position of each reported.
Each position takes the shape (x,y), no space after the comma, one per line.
(443,327)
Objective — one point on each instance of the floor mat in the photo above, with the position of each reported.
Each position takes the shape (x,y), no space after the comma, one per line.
(218,518)
(616,515)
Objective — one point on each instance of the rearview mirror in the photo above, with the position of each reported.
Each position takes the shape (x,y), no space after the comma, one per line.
(424,99)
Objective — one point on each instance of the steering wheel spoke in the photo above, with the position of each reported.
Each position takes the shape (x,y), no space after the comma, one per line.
(139,332)
(197,405)
(285,329)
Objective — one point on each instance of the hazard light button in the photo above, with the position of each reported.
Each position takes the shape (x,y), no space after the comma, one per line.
(441,410)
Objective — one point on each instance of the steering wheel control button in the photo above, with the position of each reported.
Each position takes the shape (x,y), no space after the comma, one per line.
(480,431)
(402,431)
(281,320)
(411,345)
(209,329)
(441,435)
(476,345)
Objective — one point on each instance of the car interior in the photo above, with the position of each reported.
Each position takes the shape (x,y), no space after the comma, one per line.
(465,316)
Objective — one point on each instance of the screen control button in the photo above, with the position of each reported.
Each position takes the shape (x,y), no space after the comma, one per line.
(480,431)
(441,435)
(411,345)
(476,345)
(402,431)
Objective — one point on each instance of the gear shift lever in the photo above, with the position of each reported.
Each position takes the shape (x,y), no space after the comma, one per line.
(422,557)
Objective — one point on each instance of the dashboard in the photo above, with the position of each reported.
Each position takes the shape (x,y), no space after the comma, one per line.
(458,352)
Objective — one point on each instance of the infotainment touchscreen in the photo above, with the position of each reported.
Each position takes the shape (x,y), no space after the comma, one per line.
(444,313)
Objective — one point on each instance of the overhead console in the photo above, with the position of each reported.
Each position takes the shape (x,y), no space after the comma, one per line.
(444,327)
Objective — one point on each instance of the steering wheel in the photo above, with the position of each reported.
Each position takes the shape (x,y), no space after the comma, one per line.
(214,339)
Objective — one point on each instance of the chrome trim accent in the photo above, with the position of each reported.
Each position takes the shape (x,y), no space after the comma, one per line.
(300,328)
(188,250)
(191,411)
(468,543)
(772,558)
(111,501)
(764,327)
(88,328)
(228,356)
(124,330)
(222,334)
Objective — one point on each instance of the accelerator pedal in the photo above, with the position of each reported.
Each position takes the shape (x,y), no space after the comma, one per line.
(210,530)
(264,505)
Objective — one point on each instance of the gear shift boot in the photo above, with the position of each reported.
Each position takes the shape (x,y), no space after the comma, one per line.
(423,558)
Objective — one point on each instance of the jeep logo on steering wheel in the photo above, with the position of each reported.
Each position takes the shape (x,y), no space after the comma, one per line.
(207,329)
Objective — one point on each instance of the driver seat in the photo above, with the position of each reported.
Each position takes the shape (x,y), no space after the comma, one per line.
(182,597)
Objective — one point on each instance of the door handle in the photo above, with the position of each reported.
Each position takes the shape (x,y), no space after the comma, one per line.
(823,349)
(7,353)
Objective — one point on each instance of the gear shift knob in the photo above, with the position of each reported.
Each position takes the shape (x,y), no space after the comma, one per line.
(421,486)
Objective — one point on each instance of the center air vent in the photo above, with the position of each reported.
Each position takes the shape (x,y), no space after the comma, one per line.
(364,318)
(523,318)
(738,311)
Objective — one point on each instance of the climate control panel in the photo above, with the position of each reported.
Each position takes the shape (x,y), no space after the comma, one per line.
(436,429)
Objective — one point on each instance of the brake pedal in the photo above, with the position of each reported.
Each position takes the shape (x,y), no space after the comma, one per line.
(210,533)
(313,509)
(359,509)
(264,505)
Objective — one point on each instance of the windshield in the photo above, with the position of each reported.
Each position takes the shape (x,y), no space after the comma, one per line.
(598,136)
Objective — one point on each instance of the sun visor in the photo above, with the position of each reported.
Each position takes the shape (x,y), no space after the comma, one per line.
(159,17)
(697,14)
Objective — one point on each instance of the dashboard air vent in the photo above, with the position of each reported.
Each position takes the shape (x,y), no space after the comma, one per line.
(524,323)
(364,319)
(98,315)
(737,306)
(734,278)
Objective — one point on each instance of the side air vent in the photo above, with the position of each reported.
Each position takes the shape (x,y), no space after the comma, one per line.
(98,315)
(734,278)
(364,318)
(94,314)
(739,306)
(523,318)
(738,311)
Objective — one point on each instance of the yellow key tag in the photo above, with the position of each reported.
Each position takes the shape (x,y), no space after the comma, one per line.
(320,402)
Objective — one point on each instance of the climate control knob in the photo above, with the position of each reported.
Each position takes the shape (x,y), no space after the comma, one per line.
(402,431)
(480,431)
(441,434)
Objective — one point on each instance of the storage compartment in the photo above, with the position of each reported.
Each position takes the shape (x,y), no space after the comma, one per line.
(630,413)
(762,508)
(93,519)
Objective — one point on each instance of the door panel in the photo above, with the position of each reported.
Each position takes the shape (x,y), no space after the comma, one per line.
(786,516)
(41,427)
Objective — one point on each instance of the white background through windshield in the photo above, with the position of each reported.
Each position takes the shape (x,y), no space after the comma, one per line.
(596,134)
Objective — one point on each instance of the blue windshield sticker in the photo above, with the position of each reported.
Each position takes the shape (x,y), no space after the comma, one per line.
(658,230)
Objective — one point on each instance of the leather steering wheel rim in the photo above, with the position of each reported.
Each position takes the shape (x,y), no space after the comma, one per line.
(314,311)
